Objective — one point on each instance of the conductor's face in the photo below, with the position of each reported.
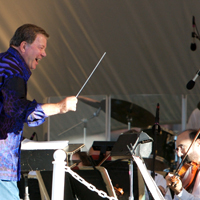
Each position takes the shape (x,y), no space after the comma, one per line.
(33,53)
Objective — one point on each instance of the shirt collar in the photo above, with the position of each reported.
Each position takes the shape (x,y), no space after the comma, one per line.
(26,71)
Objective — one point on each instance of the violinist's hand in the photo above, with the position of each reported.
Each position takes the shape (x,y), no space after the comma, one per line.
(174,183)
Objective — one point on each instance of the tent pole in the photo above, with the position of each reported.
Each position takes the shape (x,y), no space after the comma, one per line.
(107,119)
(184,112)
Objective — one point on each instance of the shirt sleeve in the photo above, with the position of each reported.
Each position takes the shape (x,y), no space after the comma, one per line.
(16,105)
(194,121)
(184,195)
(37,117)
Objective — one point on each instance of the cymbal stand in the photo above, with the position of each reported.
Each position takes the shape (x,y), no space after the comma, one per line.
(129,120)
(95,114)
(131,197)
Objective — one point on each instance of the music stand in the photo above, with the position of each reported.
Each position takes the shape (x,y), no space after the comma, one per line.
(142,147)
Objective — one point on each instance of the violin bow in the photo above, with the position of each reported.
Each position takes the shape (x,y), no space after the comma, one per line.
(176,172)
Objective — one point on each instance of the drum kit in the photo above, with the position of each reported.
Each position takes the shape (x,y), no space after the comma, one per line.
(127,112)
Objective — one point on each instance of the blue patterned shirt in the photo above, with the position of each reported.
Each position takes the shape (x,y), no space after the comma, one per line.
(15,110)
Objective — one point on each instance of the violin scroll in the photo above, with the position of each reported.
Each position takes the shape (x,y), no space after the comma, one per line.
(119,191)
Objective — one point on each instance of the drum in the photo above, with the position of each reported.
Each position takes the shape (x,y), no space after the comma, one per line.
(165,149)
(160,163)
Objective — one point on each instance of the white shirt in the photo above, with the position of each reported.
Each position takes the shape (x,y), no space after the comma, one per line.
(194,120)
(160,181)
(184,195)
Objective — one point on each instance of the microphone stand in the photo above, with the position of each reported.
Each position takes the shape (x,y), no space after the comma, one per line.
(156,131)
(194,35)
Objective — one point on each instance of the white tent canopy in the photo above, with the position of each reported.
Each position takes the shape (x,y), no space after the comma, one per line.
(147,45)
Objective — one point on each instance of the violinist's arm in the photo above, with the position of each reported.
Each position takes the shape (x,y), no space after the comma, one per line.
(180,193)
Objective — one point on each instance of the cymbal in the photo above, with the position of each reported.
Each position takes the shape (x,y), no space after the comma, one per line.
(124,111)
(90,102)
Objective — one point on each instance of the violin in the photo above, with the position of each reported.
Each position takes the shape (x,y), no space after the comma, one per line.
(119,191)
(186,174)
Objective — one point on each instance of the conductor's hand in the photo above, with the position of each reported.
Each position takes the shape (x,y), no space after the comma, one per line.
(68,104)
(174,183)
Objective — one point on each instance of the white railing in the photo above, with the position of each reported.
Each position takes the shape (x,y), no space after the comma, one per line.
(58,180)
(58,175)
